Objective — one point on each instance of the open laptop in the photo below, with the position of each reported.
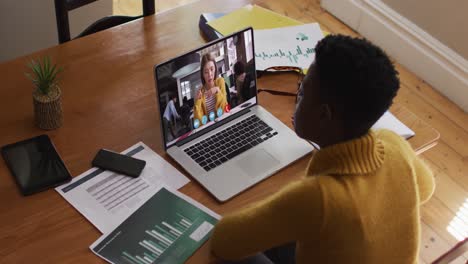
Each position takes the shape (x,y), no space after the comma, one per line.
(230,148)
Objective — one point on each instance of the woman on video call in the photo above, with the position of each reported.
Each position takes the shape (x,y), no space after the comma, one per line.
(212,95)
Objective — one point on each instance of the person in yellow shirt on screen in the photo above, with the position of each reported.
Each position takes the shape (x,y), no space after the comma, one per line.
(360,197)
(212,95)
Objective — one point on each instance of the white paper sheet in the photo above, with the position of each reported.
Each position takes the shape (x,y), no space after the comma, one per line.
(106,198)
(390,122)
(286,46)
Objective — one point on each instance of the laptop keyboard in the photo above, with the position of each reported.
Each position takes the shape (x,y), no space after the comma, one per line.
(230,142)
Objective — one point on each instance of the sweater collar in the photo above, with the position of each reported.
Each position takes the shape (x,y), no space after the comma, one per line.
(358,156)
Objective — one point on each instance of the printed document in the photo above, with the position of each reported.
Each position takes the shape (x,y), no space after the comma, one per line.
(390,122)
(286,46)
(168,228)
(106,198)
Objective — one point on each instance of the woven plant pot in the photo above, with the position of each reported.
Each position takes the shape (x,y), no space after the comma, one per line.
(48,112)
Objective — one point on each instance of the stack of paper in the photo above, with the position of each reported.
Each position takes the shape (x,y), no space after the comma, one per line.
(144,219)
(279,40)
(251,16)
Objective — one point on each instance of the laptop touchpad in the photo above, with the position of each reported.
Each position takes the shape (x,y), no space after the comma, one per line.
(257,162)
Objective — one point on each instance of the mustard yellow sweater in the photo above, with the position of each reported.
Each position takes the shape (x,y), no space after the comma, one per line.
(358,203)
(199,108)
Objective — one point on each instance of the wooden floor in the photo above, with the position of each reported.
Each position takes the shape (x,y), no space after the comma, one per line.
(448,160)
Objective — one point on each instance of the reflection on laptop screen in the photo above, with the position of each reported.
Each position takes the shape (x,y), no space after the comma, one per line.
(205,86)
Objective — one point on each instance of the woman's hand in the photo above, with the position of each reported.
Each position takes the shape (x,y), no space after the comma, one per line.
(213,90)
(210,92)
(199,94)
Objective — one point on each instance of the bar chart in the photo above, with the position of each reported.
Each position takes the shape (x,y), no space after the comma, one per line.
(162,237)
(166,229)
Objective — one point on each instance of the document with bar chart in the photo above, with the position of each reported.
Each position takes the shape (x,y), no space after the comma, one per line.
(168,228)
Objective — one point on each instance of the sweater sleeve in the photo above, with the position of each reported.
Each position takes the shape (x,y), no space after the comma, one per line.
(287,216)
(423,175)
(424,179)
(198,108)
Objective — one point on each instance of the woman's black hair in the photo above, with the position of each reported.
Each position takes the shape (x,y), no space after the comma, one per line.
(357,76)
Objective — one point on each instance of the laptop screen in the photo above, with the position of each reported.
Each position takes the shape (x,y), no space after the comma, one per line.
(204,87)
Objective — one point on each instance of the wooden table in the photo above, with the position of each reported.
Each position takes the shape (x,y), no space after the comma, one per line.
(110,102)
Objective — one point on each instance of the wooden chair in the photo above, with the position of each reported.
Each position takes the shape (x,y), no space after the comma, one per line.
(62,7)
(457,251)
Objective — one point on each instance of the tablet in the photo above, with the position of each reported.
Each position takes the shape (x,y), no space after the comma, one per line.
(35,164)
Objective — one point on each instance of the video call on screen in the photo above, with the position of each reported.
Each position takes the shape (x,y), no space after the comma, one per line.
(198,88)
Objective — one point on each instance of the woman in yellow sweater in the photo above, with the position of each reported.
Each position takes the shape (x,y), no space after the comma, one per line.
(212,95)
(360,197)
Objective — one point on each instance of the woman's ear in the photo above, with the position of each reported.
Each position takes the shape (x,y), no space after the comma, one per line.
(325,112)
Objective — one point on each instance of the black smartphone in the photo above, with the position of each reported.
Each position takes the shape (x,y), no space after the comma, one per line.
(120,163)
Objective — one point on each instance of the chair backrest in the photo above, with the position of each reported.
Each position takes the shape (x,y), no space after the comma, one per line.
(455,252)
(62,7)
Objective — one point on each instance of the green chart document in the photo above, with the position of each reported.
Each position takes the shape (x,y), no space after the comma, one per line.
(168,228)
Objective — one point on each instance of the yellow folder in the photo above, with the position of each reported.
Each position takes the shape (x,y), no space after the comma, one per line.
(251,16)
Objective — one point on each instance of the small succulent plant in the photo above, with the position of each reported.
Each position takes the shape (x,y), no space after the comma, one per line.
(44,74)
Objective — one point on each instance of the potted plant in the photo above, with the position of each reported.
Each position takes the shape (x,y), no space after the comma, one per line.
(47,101)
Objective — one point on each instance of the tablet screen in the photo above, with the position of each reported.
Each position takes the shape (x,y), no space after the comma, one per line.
(35,164)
